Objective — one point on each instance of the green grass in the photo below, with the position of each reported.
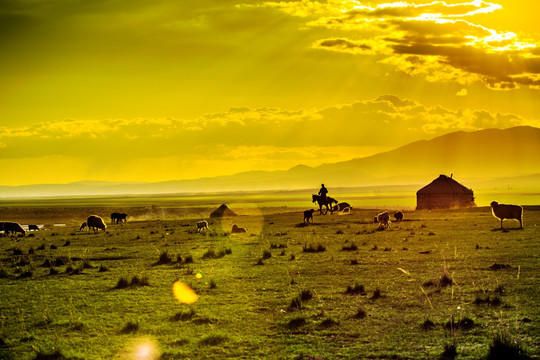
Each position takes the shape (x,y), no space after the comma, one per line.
(446,295)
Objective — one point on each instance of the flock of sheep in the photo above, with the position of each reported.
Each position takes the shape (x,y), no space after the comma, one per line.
(96,223)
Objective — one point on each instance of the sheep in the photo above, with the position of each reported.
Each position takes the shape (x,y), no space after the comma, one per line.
(236,229)
(341,207)
(398,216)
(95,222)
(13,228)
(308,214)
(383,219)
(83,227)
(503,211)
(202,225)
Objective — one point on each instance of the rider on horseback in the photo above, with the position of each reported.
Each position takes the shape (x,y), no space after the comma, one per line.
(323,192)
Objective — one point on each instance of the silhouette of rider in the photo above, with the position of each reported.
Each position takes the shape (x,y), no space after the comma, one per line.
(323,192)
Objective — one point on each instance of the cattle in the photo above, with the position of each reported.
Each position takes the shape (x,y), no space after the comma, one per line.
(1,226)
(237,230)
(118,218)
(13,228)
(308,214)
(33,227)
(503,211)
(202,225)
(95,223)
(383,219)
(83,227)
(398,216)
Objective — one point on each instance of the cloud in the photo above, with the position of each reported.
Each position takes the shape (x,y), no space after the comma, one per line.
(436,40)
(462,92)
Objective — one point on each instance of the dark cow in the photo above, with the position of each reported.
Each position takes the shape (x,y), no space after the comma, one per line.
(308,214)
(237,230)
(341,207)
(398,216)
(13,228)
(202,225)
(118,218)
(33,227)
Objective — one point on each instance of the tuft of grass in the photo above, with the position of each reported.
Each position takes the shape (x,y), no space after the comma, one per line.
(17,251)
(260,262)
(53,271)
(376,294)
(449,352)
(354,262)
(296,322)
(351,247)
(188,259)
(212,284)
(211,254)
(278,246)
(504,348)
(328,322)
(445,280)
(360,314)
(3,274)
(266,254)
(103,268)
(183,315)
(313,249)
(164,258)
(292,257)
(355,290)
(306,295)
(428,324)
(464,323)
(130,327)
(122,283)
(492,301)
(213,340)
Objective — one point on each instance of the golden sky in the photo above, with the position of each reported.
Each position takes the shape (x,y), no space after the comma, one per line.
(159,90)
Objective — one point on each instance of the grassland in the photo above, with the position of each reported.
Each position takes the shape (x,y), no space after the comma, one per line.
(441,284)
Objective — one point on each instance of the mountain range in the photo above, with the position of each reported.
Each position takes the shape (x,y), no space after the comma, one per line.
(491,156)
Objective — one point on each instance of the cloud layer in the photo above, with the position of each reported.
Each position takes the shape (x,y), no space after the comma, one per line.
(437,40)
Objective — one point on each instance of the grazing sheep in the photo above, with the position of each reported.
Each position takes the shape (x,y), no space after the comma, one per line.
(308,214)
(341,207)
(398,216)
(202,225)
(83,227)
(383,219)
(33,227)
(95,223)
(13,228)
(236,229)
(503,211)
(118,218)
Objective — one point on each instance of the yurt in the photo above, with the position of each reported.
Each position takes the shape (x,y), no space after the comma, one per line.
(222,211)
(444,193)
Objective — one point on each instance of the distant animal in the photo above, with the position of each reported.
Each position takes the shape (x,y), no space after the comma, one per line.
(202,225)
(33,227)
(117,218)
(383,219)
(398,216)
(503,211)
(236,229)
(341,207)
(13,228)
(308,214)
(324,202)
(1,226)
(95,223)
(84,225)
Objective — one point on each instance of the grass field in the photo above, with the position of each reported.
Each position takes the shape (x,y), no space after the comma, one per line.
(440,284)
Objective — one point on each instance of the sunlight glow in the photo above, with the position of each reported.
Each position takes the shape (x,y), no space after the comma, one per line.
(184,293)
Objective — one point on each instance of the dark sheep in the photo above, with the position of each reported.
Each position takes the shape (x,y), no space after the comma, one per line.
(308,214)
(236,229)
(398,216)
(95,223)
(13,228)
(503,211)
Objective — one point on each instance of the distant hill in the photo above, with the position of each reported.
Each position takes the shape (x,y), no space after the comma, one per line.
(473,157)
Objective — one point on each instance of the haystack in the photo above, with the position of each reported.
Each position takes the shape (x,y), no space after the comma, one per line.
(444,193)
(222,211)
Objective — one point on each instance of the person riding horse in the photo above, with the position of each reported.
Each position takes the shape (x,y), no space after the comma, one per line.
(324,200)
(323,192)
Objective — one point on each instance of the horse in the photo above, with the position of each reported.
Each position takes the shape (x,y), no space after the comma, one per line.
(324,201)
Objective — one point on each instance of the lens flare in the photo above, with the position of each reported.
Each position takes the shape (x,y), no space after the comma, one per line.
(184,293)
(198,276)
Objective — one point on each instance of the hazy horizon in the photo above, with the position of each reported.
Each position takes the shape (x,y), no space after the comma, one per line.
(137,92)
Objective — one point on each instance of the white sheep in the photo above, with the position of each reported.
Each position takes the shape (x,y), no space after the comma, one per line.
(503,211)
(383,219)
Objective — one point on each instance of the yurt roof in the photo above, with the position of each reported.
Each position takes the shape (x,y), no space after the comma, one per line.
(444,185)
(223,210)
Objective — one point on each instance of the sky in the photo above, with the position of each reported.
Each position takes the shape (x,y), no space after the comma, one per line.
(119,90)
